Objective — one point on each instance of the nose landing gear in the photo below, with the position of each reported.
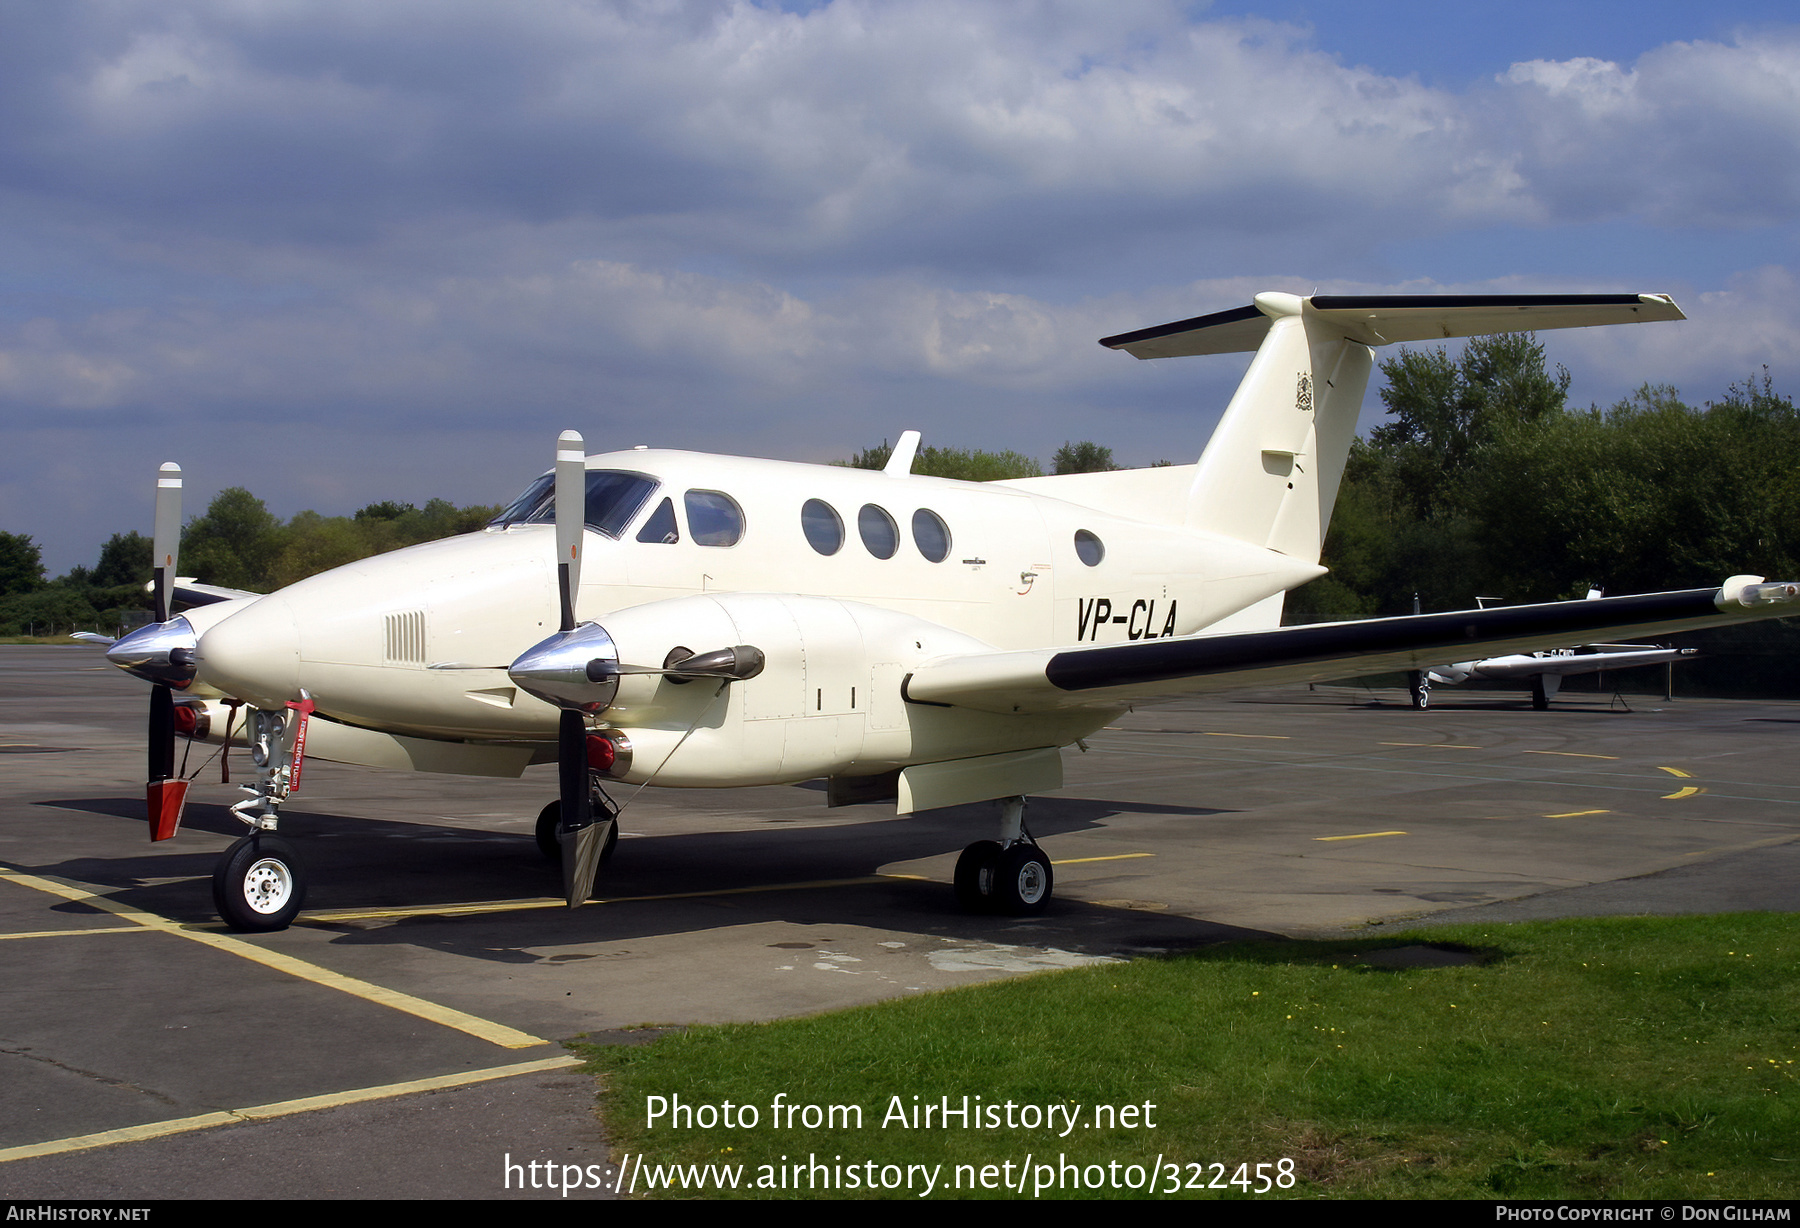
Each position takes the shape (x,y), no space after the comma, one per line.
(259,884)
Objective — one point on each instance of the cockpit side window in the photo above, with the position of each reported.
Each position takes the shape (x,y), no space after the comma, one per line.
(614,496)
(520,510)
(661,527)
(714,518)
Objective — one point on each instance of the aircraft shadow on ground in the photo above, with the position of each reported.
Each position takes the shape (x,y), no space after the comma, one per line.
(715,879)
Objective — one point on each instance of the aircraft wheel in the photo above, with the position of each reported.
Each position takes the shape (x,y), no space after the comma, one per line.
(547,820)
(551,847)
(1540,699)
(258,885)
(1022,881)
(975,875)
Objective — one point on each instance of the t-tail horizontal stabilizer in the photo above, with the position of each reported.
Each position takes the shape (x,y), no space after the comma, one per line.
(1270,473)
(1387,319)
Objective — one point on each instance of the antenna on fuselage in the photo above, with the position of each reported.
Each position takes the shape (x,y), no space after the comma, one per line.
(900,460)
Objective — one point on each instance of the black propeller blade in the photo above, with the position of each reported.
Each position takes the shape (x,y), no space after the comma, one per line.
(163,794)
(581,838)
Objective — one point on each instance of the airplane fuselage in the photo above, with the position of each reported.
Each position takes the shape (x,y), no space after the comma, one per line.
(896,570)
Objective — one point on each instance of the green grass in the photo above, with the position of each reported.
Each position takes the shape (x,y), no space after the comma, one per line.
(1617,1058)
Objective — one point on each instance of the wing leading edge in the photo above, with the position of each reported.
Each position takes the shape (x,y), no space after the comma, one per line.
(1042,680)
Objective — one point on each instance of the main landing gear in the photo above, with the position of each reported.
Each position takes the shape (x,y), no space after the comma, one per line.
(549,820)
(1419,685)
(1011,875)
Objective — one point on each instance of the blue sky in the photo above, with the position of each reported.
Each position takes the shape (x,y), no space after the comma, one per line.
(339,253)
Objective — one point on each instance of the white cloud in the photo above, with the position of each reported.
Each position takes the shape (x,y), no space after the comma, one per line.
(794,232)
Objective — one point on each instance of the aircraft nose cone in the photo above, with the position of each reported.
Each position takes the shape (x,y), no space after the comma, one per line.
(160,652)
(254,655)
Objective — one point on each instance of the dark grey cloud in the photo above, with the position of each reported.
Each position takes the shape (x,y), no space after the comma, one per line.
(260,233)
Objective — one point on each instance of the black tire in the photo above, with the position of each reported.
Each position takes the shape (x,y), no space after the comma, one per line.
(975,875)
(259,885)
(547,820)
(1540,700)
(551,847)
(1023,881)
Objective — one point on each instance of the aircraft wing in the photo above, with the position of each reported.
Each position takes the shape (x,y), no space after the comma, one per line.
(1039,680)
(1563,666)
(191,593)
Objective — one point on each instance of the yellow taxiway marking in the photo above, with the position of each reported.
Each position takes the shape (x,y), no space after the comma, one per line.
(481,1029)
(282,1108)
(1684,791)
(1075,861)
(1367,835)
(1570,754)
(1576,814)
(1676,772)
(1267,737)
(1432,745)
(107,929)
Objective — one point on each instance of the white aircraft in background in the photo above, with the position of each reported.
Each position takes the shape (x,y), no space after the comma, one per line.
(696,621)
(1544,671)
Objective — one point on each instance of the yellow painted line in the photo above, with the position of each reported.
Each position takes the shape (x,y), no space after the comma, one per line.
(1570,754)
(1432,745)
(481,1029)
(1075,861)
(108,929)
(282,1108)
(426,910)
(1367,835)
(1269,737)
(1676,772)
(466,910)
(1684,791)
(1576,814)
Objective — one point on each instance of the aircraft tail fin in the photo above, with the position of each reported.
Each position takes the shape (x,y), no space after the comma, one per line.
(1269,475)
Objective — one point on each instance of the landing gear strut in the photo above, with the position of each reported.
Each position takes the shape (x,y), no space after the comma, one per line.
(1010,876)
(1419,684)
(259,884)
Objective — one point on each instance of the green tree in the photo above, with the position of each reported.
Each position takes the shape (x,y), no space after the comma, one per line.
(1083,457)
(52,608)
(387,509)
(234,544)
(21,565)
(967,465)
(1443,411)
(124,559)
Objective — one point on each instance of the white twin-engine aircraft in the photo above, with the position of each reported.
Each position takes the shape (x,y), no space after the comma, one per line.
(1544,672)
(696,621)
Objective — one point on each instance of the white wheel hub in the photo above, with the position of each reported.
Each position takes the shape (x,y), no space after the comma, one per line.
(1031,882)
(268,885)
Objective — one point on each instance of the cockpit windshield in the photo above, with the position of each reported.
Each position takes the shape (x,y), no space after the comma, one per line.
(613,498)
